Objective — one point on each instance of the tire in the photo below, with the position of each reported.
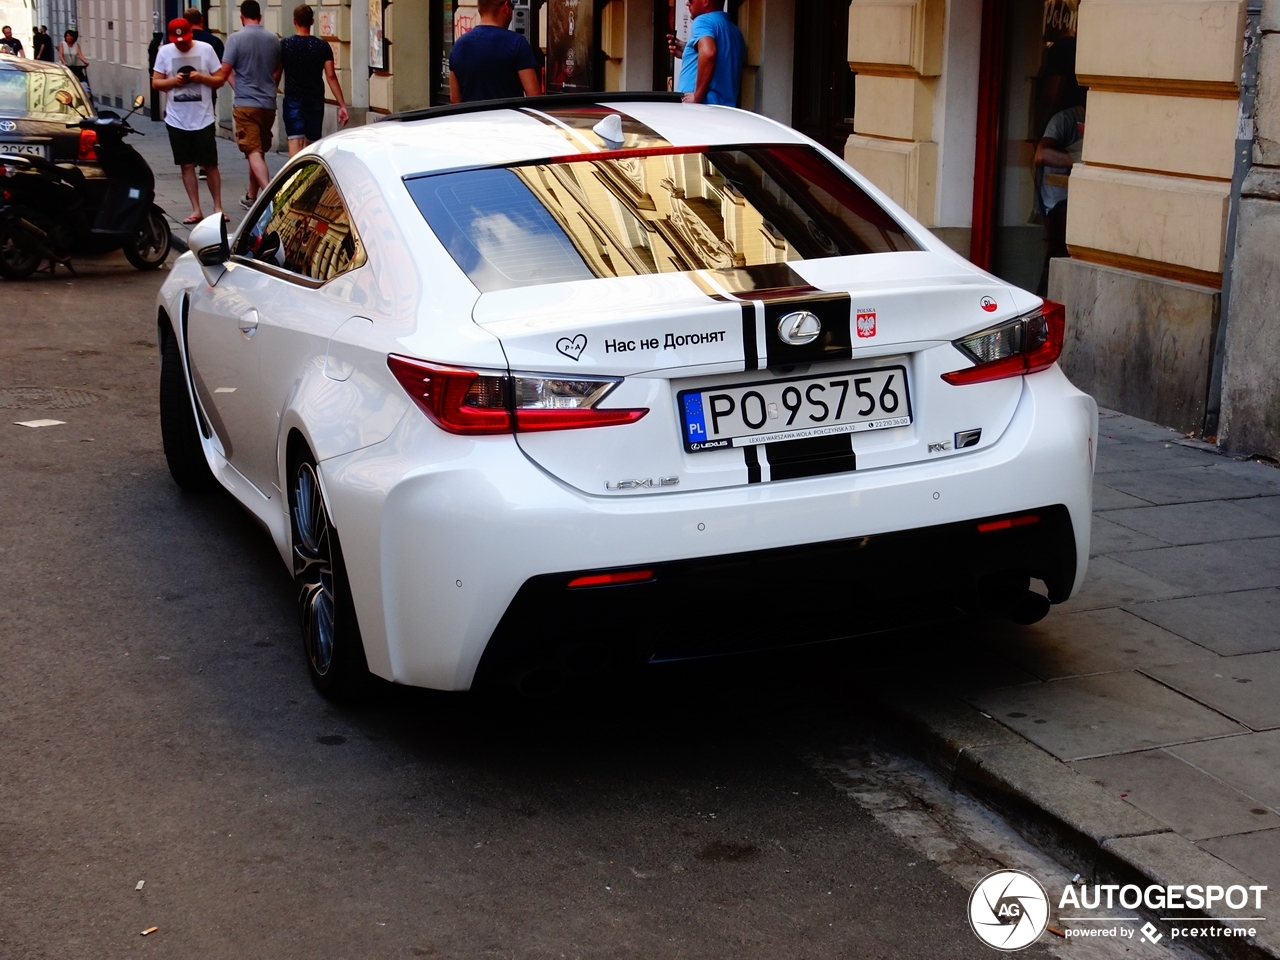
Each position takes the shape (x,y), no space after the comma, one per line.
(178,429)
(326,612)
(15,262)
(149,247)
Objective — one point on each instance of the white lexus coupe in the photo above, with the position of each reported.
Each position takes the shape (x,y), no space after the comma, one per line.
(530,388)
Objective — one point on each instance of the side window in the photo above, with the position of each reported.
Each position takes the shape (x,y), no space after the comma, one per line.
(304,228)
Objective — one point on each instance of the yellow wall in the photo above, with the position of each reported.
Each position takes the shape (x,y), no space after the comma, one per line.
(1151,192)
(895,46)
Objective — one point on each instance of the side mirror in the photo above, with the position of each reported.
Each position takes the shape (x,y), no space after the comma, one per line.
(63,98)
(138,101)
(208,241)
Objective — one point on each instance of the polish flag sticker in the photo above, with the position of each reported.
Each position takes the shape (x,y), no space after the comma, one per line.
(866,323)
(988,304)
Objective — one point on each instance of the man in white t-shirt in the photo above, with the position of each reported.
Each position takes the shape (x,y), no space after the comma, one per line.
(188,70)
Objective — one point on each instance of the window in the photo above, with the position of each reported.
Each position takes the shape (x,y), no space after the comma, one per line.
(303,228)
(656,212)
(32,91)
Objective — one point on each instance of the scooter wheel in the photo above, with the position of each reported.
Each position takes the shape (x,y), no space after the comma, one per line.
(149,248)
(16,263)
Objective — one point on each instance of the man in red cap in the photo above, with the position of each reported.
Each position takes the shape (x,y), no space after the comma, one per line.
(188,70)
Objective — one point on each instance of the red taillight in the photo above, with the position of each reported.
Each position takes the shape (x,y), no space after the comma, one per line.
(88,145)
(611,579)
(1027,344)
(472,403)
(1008,523)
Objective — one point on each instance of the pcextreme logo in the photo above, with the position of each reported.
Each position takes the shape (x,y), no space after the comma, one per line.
(1008,910)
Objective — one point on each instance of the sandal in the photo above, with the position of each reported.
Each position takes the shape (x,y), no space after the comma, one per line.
(192,220)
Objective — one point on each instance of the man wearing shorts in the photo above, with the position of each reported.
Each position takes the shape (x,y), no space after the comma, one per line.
(306,60)
(189,71)
(251,63)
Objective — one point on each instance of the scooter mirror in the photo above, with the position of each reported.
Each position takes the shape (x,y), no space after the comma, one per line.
(138,101)
(208,241)
(63,98)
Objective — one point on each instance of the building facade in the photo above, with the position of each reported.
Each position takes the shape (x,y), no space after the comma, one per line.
(941,103)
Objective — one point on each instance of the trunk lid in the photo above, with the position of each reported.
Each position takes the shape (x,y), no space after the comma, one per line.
(668,337)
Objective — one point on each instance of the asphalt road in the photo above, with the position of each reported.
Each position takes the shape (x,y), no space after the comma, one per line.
(157,725)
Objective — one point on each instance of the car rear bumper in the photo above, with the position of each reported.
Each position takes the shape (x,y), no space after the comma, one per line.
(452,541)
(770,599)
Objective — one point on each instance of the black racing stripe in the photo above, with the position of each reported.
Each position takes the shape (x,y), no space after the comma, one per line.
(812,457)
(763,281)
(834,343)
(751,453)
(751,358)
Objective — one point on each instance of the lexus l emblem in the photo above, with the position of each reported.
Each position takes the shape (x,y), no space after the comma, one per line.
(799,328)
(8,126)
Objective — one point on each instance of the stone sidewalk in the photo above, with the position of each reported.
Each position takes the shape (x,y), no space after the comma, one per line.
(172,196)
(1136,729)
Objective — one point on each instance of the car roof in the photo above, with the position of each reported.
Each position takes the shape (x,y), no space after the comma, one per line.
(500,133)
(28,65)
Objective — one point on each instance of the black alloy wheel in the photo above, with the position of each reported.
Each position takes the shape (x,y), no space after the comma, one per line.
(149,247)
(16,261)
(326,613)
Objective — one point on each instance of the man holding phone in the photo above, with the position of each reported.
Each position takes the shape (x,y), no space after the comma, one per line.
(711,59)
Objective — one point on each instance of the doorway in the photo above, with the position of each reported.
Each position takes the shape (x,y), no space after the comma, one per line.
(822,98)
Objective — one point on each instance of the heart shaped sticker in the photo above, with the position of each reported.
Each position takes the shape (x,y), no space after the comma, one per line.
(572,348)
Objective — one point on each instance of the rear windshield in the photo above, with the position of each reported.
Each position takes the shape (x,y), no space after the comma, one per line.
(32,91)
(652,213)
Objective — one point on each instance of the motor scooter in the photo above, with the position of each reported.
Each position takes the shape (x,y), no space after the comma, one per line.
(46,214)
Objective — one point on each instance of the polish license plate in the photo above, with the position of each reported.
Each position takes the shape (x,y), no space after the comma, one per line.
(25,149)
(796,409)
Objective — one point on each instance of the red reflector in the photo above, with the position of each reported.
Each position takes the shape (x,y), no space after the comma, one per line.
(88,145)
(992,525)
(609,579)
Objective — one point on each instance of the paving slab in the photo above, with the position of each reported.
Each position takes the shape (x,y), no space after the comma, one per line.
(1226,623)
(1112,583)
(1268,507)
(1248,763)
(1109,498)
(1139,454)
(1109,537)
(1213,567)
(1185,484)
(1254,854)
(1177,794)
(1060,807)
(1167,859)
(1120,426)
(1109,713)
(1205,522)
(1246,688)
(1093,641)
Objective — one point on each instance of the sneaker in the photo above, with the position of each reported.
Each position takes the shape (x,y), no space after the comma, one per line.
(202,175)
(247,201)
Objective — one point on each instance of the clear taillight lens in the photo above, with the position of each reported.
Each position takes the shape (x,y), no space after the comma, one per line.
(1027,344)
(474,403)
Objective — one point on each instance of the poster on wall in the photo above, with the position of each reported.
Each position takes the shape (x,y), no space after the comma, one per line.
(1060,18)
(377,43)
(570,57)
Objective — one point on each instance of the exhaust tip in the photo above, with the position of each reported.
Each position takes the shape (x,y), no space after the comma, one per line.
(1009,595)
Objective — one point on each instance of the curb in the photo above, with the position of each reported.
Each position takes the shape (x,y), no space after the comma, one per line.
(1084,826)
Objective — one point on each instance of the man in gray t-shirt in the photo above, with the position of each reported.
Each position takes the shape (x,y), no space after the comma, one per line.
(251,63)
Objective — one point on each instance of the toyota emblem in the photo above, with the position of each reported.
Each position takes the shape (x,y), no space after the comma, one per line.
(8,126)
(799,328)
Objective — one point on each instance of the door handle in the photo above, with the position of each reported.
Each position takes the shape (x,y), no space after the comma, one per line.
(249,324)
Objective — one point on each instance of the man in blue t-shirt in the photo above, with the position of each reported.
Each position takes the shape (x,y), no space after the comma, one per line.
(490,62)
(711,61)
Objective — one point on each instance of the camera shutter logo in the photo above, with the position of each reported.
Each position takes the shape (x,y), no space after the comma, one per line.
(1008,910)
